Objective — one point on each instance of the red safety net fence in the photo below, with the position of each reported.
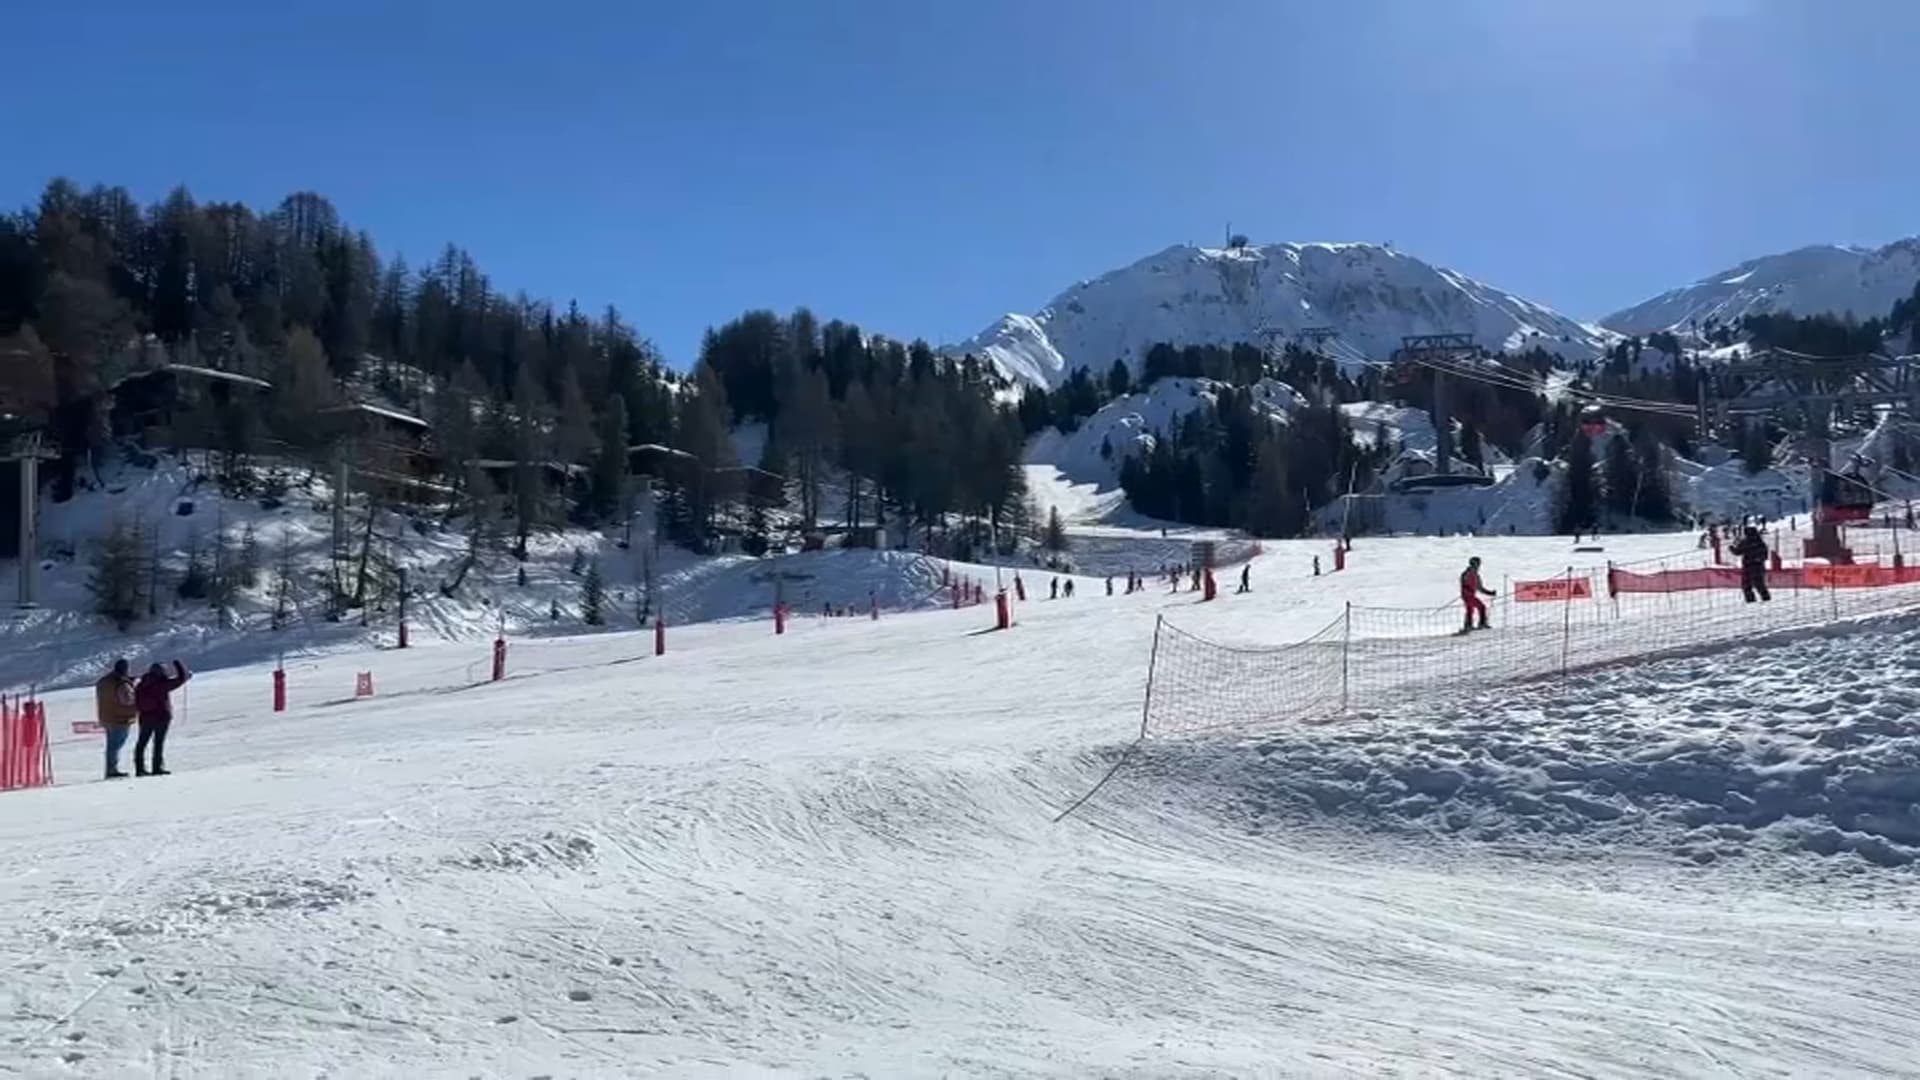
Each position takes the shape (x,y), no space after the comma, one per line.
(26,759)
(1373,659)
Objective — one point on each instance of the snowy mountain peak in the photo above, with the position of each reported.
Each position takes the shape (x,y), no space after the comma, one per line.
(1367,296)
(1824,278)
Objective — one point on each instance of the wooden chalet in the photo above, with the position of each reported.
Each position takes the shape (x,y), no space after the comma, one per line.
(190,401)
(392,450)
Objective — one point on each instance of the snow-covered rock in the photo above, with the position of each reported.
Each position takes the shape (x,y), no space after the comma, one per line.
(1808,281)
(1370,296)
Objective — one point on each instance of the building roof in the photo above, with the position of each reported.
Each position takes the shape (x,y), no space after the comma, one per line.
(198,372)
(511,463)
(381,411)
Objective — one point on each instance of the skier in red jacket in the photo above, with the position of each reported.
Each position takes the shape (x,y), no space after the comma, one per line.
(1471,590)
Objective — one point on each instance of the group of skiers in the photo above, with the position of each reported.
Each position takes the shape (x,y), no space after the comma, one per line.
(120,703)
(1062,588)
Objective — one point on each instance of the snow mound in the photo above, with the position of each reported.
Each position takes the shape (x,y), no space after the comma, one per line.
(1809,281)
(1812,746)
(1370,296)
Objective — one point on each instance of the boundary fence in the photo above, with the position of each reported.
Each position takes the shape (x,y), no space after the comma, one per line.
(1372,659)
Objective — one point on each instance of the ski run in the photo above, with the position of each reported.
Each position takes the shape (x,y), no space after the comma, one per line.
(834,852)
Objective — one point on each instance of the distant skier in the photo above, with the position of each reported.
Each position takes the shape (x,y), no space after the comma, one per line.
(1053,589)
(1316,566)
(1471,590)
(1067,591)
(1246,579)
(1752,549)
(113,706)
(153,698)
(1109,584)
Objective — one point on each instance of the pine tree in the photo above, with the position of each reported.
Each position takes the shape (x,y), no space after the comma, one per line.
(1656,498)
(118,572)
(574,437)
(1623,478)
(609,486)
(530,445)
(224,580)
(1576,502)
(247,567)
(1119,379)
(194,584)
(156,573)
(303,389)
(1272,508)
(593,596)
(1056,535)
(1756,449)
(283,582)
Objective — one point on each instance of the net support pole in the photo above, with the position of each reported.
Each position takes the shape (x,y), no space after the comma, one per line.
(1346,651)
(1153,660)
(1566,622)
(1146,708)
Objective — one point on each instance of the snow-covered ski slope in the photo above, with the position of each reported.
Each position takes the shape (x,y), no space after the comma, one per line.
(62,641)
(833,853)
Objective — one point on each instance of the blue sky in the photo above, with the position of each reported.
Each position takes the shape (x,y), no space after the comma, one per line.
(923,167)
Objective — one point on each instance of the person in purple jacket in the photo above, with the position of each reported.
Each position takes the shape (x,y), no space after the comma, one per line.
(153,699)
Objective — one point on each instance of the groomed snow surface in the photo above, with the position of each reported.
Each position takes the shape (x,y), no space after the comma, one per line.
(833,853)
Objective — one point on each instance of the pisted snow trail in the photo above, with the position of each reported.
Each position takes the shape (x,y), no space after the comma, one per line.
(833,852)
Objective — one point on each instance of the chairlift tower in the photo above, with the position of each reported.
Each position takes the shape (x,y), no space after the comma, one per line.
(1806,392)
(1437,352)
(28,452)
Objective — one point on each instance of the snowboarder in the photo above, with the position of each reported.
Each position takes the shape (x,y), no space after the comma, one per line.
(1752,549)
(113,706)
(1471,590)
(1246,579)
(1316,566)
(1109,584)
(1053,589)
(152,697)
(1069,589)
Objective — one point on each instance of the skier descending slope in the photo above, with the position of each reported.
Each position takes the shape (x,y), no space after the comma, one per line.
(1471,590)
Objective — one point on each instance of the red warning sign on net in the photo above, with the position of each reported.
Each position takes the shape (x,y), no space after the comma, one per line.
(1560,588)
(1860,576)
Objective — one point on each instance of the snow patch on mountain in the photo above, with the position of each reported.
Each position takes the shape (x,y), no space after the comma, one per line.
(1824,278)
(1368,296)
(1079,472)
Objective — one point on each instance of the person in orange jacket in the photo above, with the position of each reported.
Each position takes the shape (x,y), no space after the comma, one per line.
(113,706)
